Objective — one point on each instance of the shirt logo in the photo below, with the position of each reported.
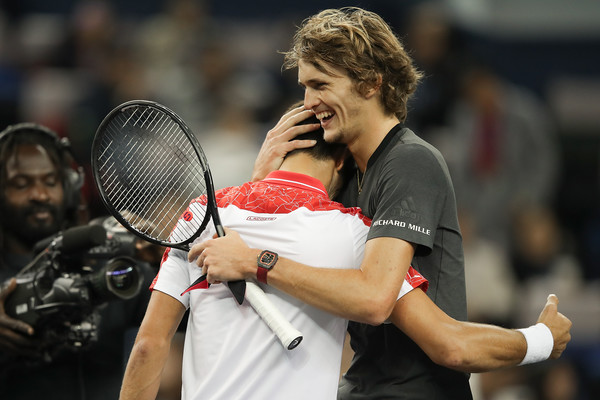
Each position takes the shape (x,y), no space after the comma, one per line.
(402,224)
(260,219)
(188,216)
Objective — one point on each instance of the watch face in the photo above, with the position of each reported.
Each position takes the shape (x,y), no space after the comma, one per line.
(267,259)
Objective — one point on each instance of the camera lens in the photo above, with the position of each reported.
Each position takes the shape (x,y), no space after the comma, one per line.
(121,279)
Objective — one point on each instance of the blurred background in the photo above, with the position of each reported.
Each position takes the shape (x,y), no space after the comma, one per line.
(511,97)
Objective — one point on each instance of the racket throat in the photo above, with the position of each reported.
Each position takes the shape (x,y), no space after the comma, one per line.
(238,288)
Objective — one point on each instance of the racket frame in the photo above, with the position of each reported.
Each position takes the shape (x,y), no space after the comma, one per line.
(286,333)
(210,190)
(237,287)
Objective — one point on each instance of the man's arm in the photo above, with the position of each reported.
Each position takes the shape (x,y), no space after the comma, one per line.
(467,346)
(151,349)
(365,295)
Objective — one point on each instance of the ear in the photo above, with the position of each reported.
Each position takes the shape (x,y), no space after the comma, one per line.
(375,88)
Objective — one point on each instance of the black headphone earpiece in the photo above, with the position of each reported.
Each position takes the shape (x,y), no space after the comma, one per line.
(73,174)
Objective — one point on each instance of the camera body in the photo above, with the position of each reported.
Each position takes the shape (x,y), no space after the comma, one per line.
(60,292)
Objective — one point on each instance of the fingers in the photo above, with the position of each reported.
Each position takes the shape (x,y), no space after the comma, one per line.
(552,299)
(8,323)
(296,144)
(561,331)
(297,130)
(16,325)
(13,328)
(288,127)
(299,116)
(285,117)
(8,289)
(277,142)
(15,337)
(294,116)
(195,251)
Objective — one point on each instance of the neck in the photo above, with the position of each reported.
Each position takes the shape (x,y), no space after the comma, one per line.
(372,133)
(303,163)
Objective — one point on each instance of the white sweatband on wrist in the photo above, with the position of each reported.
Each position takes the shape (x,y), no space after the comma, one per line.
(539,343)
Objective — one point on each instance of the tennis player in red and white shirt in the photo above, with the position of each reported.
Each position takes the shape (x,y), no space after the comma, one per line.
(229,352)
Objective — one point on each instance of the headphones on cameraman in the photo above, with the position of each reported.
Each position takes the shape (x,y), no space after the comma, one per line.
(72,173)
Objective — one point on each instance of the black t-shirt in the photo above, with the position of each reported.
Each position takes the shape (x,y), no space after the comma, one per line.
(408,193)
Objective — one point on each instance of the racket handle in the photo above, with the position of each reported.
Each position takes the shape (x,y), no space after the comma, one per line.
(289,336)
(238,288)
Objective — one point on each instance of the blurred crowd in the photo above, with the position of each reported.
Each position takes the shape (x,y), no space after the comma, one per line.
(526,234)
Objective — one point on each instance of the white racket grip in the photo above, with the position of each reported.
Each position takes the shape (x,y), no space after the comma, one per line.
(289,336)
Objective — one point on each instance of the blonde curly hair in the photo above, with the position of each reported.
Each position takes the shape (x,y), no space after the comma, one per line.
(364,45)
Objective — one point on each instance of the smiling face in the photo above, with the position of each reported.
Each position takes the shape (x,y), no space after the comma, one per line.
(331,95)
(32,204)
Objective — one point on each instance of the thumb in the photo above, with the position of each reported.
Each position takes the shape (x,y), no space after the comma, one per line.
(551,308)
(552,300)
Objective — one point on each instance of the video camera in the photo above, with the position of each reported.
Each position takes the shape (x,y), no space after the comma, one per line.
(73,273)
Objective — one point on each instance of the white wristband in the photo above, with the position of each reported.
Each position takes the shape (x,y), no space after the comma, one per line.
(539,343)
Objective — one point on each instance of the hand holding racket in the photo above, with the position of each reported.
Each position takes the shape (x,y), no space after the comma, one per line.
(148,167)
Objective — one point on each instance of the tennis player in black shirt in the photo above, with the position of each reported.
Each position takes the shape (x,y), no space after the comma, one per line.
(357,79)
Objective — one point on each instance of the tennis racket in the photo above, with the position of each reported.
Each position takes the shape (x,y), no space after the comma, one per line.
(148,167)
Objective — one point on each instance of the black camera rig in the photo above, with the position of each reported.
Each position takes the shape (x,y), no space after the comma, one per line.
(73,273)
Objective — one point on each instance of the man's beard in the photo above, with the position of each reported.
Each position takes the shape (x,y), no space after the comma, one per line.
(20,222)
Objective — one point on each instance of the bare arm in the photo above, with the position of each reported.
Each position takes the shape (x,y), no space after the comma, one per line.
(151,349)
(278,142)
(366,295)
(467,346)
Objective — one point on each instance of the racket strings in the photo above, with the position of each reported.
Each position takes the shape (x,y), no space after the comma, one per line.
(141,192)
(153,191)
(144,191)
(162,177)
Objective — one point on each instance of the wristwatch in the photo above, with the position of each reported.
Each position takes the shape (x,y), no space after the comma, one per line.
(266,261)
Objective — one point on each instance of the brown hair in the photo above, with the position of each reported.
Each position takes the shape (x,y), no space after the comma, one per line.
(364,45)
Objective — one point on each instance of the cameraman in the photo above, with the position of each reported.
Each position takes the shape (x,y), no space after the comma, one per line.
(40,196)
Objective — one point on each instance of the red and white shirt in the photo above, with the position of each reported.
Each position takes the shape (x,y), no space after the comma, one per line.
(229,352)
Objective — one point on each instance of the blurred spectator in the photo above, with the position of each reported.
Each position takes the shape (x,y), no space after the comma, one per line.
(542,253)
(435,44)
(543,259)
(558,382)
(10,76)
(590,243)
(489,276)
(231,145)
(550,380)
(501,148)
(170,44)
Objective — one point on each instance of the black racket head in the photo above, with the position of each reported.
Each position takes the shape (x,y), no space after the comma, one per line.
(148,166)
